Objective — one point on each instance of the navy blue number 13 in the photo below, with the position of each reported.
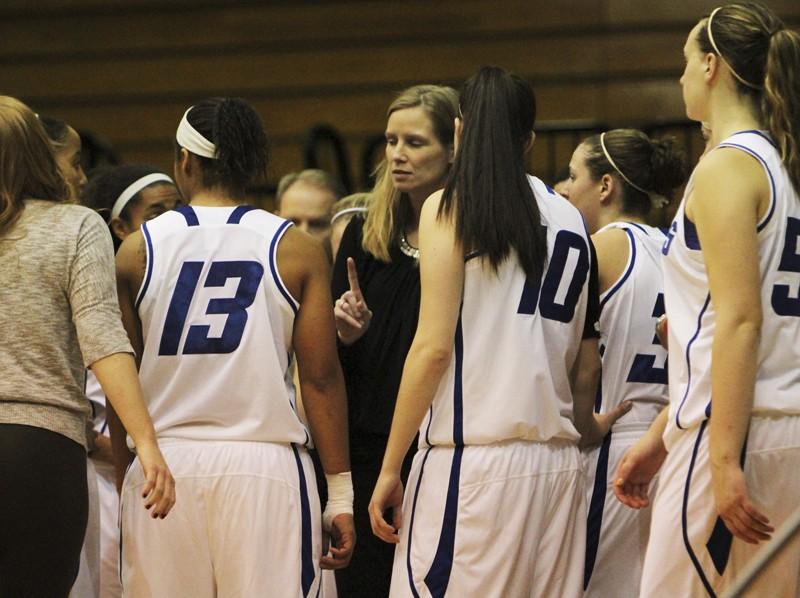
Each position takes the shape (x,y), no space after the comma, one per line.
(197,339)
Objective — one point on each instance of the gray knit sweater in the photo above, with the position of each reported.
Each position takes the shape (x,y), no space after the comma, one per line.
(58,315)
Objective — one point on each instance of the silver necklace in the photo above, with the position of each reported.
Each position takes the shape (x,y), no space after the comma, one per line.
(406,247)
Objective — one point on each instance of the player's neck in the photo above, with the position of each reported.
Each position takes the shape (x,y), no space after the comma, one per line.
(213,198)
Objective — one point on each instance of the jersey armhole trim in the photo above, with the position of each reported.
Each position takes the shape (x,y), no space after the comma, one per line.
(773,196)
(273,266)
(149,266)
(604,297)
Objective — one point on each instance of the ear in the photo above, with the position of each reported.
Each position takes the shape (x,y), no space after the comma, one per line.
(712,66)
(184,162)
(529,143)
(607,188)
(119,228)
(458,129)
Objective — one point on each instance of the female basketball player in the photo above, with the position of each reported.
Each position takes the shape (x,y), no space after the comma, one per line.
(616,179)
(732,269)
(498,442)
(59,316)
(376,278)
(216,296)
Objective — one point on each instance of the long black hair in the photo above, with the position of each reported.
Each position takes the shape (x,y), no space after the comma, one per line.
(236,130)
(488,189)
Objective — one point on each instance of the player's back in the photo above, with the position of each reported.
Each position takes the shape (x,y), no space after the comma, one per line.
(634,362)
(516,342)
(691,308)
(217,322)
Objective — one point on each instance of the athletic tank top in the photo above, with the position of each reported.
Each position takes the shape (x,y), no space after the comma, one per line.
(516,341)
(634,362)
(217,323)
(690,308)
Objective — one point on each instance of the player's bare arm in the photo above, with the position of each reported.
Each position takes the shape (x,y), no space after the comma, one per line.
(442,281)
(304,268)
(728,234)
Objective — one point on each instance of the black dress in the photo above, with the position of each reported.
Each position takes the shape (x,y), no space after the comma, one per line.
(372,367)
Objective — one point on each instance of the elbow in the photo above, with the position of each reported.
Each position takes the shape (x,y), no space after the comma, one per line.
(433,356)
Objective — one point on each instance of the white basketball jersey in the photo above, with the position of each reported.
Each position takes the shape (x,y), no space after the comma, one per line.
(691,310)
(217,323)
(634,362)
(516,341)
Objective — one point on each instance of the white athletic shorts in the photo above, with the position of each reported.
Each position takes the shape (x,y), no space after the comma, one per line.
(616,535)
(246,522)
(87,583)
(109,531)
(690,552)
(503,520)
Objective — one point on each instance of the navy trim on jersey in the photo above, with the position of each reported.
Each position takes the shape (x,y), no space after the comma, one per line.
(273,267)
(594,520)
(411,525)
(639,226)
(689,361)
(627,273)
(684,528)
(188,212)
(773,198)
(238,212)
(438,576)
(428,429)
(598,397)
(307,569)
(149,270)
(690,234)
(762,134)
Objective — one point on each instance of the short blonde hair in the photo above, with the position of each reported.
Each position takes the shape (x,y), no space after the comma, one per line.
(312,176)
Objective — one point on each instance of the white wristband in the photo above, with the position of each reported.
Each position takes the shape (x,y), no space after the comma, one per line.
(340,497)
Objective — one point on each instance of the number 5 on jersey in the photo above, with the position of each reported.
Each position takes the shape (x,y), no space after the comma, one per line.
(197,339)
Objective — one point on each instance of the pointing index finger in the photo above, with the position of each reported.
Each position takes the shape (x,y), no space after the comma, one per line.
(352,276)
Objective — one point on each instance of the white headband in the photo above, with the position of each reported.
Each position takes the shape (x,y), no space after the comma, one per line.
(657,200)
(721,57)
(188,137)
(134,188)
(346,211)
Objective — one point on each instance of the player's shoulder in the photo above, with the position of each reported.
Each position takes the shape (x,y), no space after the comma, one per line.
(556,211)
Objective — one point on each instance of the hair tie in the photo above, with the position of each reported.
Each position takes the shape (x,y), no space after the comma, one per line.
(656,199)
(722,58)
(346,211)
(188,137)
(134,188)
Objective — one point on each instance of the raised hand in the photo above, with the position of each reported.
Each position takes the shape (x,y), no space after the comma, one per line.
(351,311)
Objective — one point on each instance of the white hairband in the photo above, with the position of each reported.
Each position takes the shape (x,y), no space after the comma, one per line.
(656,199)
(347,211)
(189,138)
(134,188)
(721,57)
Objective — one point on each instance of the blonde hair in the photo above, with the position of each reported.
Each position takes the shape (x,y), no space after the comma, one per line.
(390,210)
(28,168)
(312,176)
(351,204)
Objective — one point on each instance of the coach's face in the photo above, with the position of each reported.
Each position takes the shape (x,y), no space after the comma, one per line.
(416,157)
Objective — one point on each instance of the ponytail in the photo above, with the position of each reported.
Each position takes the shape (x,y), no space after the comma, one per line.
(488,191)
(780,103)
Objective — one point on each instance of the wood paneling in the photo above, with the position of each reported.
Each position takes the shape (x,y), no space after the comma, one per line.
(127,69)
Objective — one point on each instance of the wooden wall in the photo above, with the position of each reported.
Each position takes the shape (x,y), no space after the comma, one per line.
(127,69)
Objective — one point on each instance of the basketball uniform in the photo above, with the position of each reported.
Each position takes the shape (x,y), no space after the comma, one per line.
(690,551)
(495,495)
(635,370)
(217,322)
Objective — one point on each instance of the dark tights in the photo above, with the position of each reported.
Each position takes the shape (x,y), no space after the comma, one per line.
(43,510)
